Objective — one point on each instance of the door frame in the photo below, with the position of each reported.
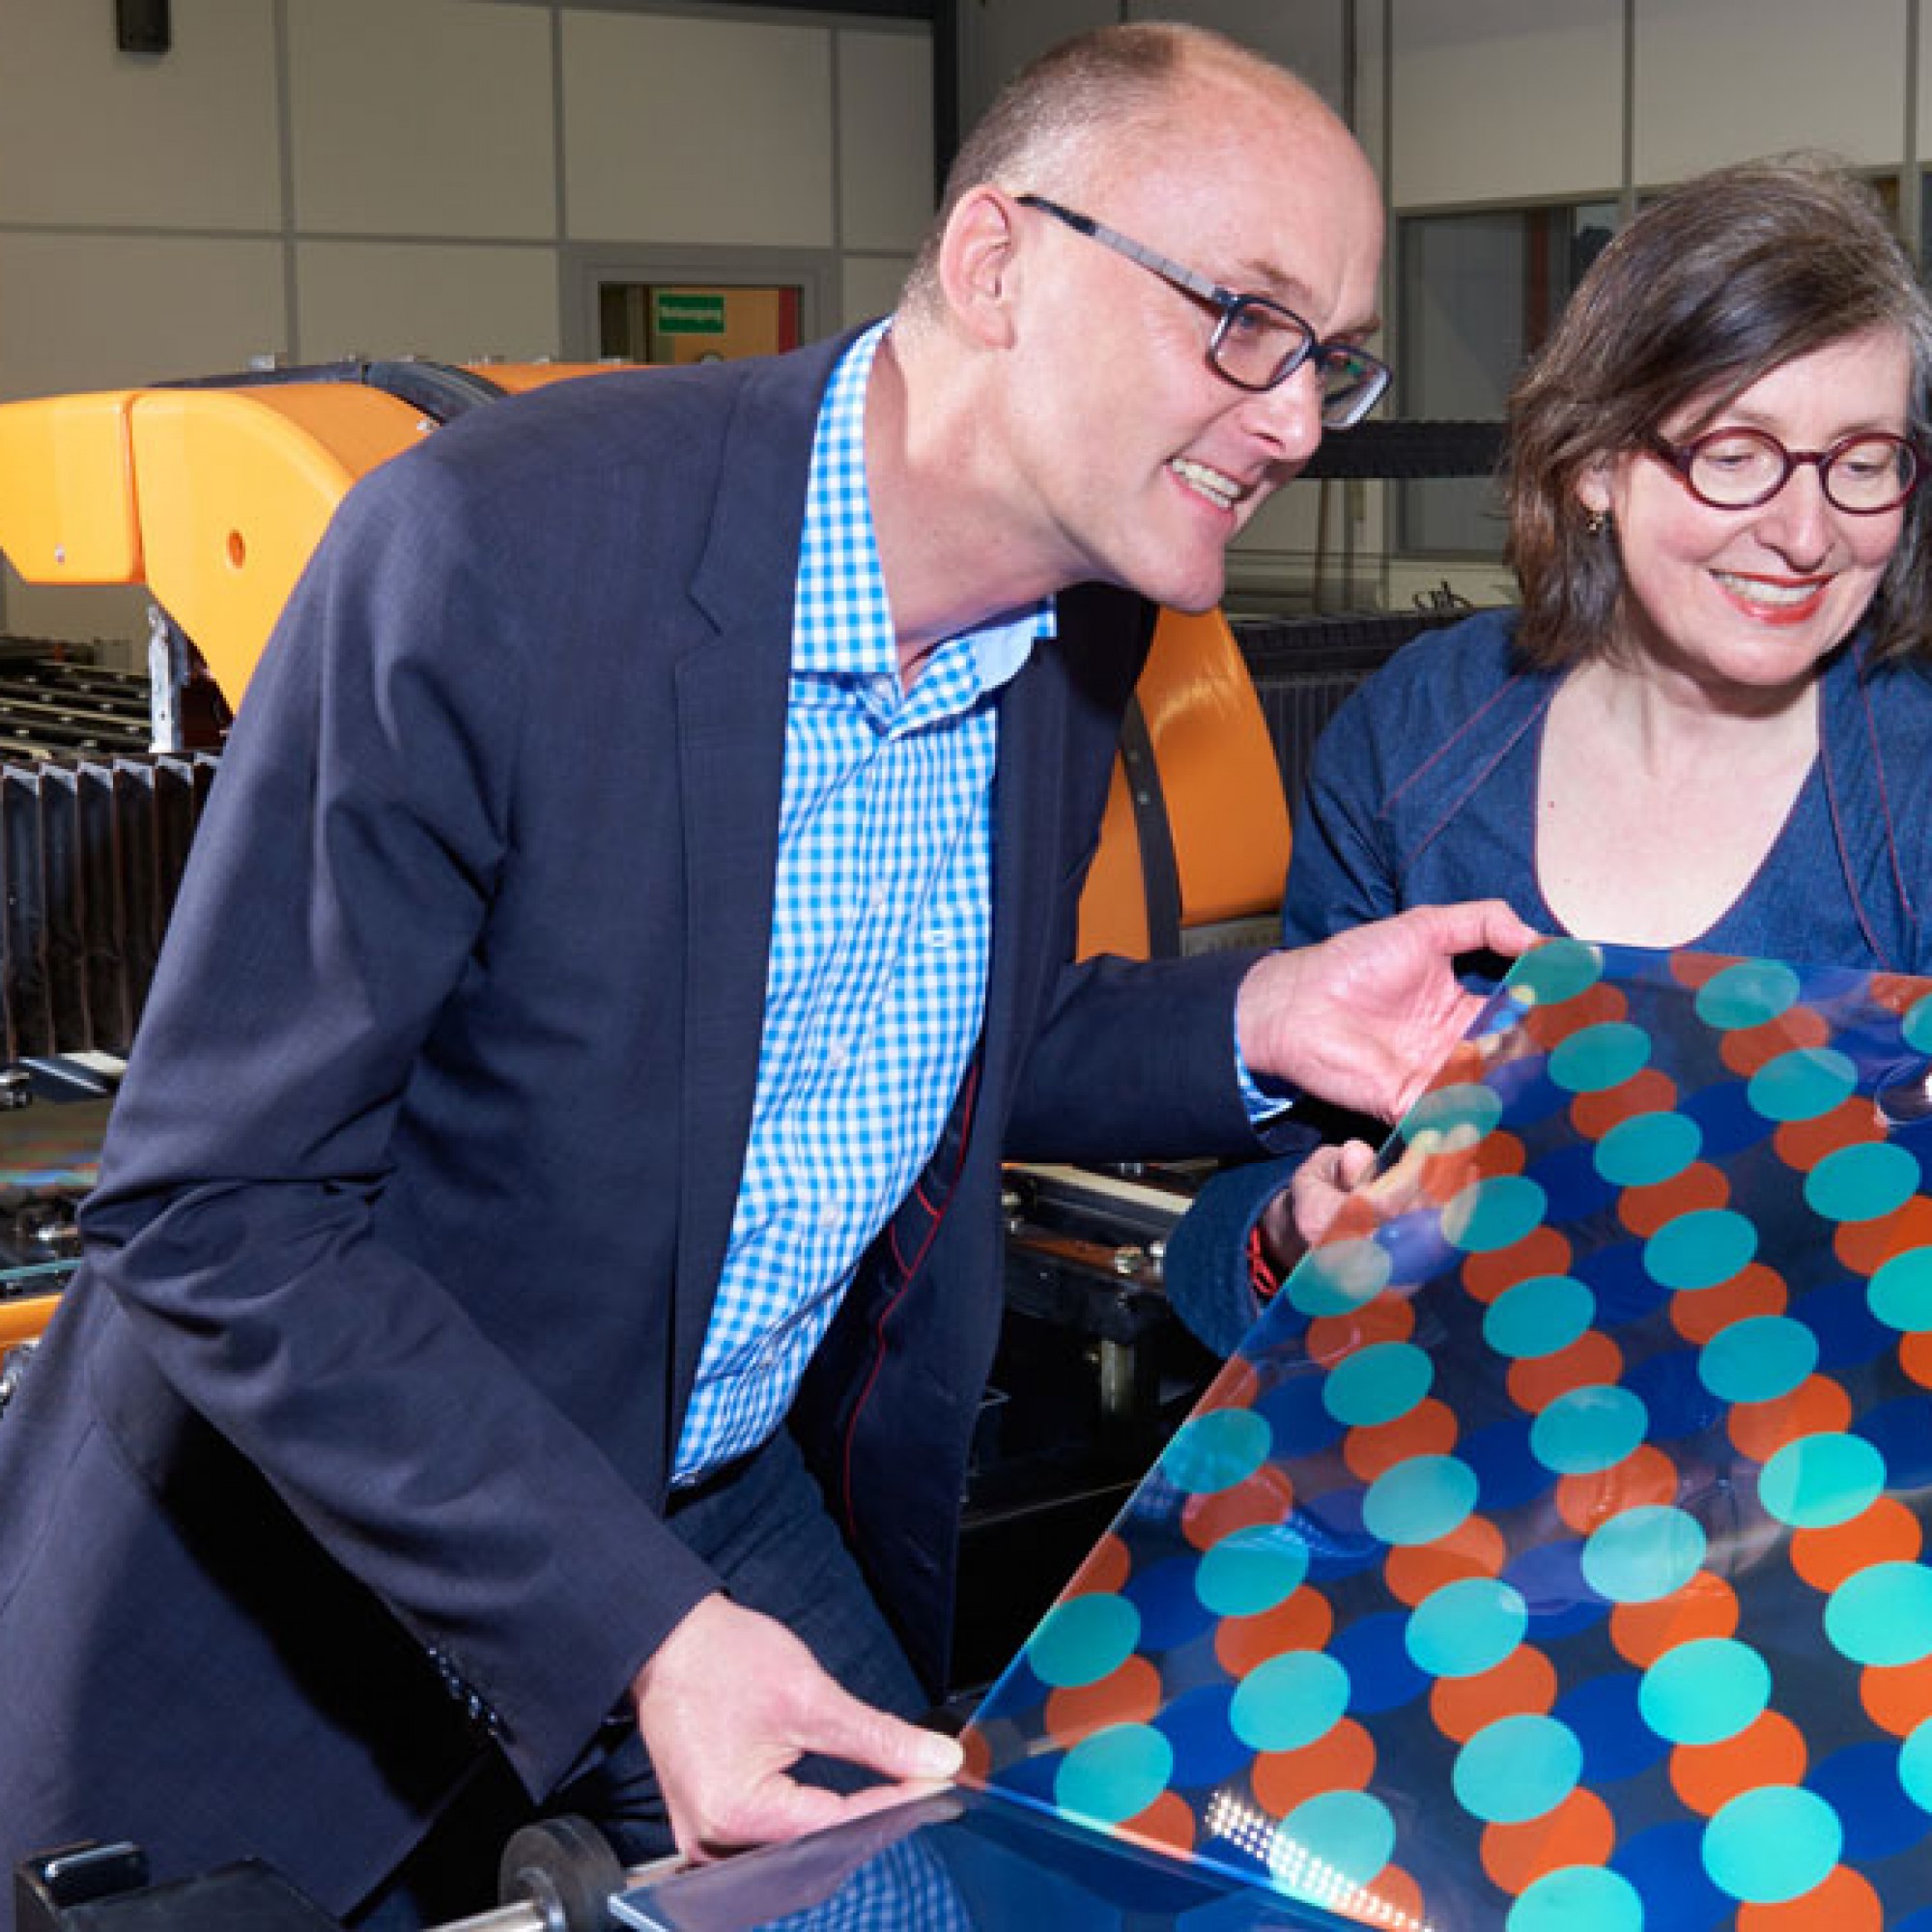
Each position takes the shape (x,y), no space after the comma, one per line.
(585,266)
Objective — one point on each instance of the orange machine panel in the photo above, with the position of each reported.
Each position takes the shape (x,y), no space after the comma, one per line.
(234,488)
(67,489)
(1221,786)
(513,377)
(24,1320)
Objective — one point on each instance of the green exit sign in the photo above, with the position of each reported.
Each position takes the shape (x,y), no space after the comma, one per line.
(674,314)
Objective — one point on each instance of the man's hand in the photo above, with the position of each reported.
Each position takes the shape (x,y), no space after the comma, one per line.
(732,1700)
(1364,1018)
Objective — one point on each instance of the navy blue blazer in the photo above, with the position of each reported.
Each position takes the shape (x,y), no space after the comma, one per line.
(340,1470)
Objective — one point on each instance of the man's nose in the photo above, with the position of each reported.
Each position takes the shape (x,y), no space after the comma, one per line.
(1289,415)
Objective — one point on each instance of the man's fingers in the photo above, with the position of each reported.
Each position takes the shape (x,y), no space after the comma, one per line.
(840,1725)
(1482,925)
(729,1703)
(783,1809)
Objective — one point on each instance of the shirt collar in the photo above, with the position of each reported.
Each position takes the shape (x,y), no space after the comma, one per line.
(843,624)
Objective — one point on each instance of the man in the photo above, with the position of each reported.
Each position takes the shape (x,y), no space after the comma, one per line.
(545,1261)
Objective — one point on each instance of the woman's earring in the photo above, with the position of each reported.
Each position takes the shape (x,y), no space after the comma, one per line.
(1596,522)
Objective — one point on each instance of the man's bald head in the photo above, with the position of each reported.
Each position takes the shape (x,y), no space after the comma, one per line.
(1084,105)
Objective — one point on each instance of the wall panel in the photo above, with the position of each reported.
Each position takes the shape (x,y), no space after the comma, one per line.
(1829,77)
(886,191)
(67,325)
(422,117)
(1505,100)
(185,139)
(448,303)
(684,130)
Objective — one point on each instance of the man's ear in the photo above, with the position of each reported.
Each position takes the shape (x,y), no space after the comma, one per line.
(978,266)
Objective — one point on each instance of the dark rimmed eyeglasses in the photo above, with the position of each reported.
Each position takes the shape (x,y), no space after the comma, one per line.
(1739,468)
(1257,342)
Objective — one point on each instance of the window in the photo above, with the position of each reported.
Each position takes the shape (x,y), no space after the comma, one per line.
(1479,293)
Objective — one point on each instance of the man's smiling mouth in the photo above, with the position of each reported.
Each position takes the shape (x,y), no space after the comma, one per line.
(1223,492)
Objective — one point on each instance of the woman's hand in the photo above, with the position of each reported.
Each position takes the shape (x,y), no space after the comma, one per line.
(1300,1215)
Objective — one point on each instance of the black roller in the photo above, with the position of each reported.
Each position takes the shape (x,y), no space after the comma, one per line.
(565,1870)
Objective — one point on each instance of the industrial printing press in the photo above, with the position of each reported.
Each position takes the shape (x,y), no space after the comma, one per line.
(212,494)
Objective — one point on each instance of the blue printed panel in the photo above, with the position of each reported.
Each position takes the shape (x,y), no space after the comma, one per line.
(1552,1553)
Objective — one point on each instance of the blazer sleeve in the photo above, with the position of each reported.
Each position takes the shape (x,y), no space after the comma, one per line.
(1134,1060)
(340,888)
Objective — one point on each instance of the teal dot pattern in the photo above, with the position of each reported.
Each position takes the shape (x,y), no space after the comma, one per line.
(1915,1766)
(1578,1899)
(1114,1774)
(1821,1481)
(1700,1248)
(1248,1572)
(1339,1278)
(1542,1315)
(1467,1626)
(1749,994)
(1771,1846)
(1600,1058)
(1491,1214)
(1335,1841)
(1644,1555)
(1758,1359)
(1517,1769)
(1651,1148)
(1377,1384)
(1216,1451)
(1589,1430)
(1083,1639)
(1420,1500)
(1900,1295)
(1289,1701)
(1861,1183)
(1554,1552)
(1705,1692)
(1883,1616)
(1802,1084)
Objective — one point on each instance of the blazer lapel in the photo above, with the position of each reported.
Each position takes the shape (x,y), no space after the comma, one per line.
(731,697)
(1026,829)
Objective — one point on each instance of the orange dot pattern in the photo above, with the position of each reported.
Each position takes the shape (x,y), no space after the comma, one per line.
(1579,1832)
(1523,1684)
(1845,1902)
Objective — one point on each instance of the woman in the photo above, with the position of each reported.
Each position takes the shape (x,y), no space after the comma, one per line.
(1709,722)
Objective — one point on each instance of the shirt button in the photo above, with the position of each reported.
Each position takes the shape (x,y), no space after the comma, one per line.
(839,1054)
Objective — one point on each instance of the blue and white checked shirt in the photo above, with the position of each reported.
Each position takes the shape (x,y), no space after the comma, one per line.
(880,931)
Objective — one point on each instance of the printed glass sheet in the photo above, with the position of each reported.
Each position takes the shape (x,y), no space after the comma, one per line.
(1552,1555)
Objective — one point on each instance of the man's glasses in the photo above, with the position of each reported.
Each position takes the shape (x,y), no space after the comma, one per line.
(1740,468)
(1257,344)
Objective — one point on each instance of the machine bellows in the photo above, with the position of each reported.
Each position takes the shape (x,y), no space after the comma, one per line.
(91,853)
